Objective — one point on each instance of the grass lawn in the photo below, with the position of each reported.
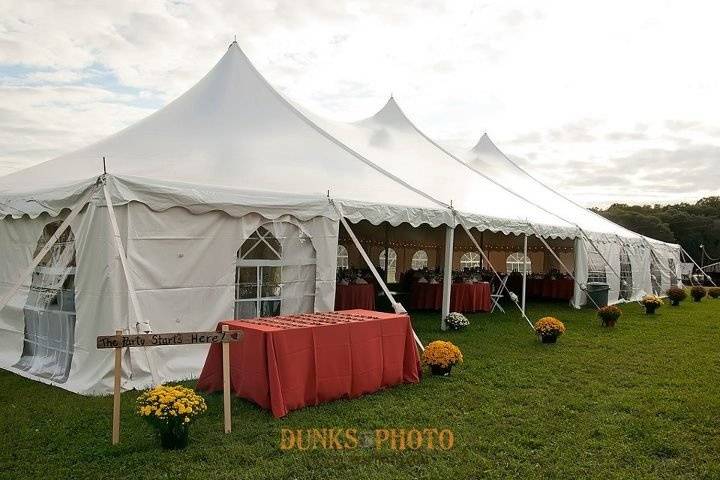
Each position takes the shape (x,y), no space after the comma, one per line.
(641,400)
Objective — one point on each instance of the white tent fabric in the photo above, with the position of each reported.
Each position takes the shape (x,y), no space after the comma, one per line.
(392,142)
(608,237)
(190,183)
(231,135)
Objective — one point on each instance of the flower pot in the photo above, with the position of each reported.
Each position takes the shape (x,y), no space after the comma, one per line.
(609,323)
(440,370)
(548,338)
(697,300)
(675,303)
(174,438)
(650,309)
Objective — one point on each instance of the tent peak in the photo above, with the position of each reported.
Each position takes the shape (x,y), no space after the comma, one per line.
(390,113)
(483,144)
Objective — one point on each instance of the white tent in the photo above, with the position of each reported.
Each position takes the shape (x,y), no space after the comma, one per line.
(229,178)
(630,257)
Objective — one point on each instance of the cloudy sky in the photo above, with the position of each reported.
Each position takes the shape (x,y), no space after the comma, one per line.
(607,101)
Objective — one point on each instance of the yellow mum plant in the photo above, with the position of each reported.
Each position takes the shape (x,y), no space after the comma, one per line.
(651,300)
(442,354)
(549,326)
(170,409)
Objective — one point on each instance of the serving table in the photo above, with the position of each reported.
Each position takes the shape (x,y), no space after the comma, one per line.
(289,362)
(355,296)
(464,297)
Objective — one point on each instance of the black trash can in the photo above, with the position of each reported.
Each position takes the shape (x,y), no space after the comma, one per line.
(598,291)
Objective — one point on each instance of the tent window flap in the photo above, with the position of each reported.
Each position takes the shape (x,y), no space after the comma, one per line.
(49,312)
(275,272)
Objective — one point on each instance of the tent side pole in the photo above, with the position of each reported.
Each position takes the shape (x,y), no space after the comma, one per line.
(513,297)
(447,275)
(694,262)
(140,325)
(396,305)
(562,264)
(524,280)
(48,245)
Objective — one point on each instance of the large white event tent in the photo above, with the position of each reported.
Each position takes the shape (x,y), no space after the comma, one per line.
(632,264)
(228,202)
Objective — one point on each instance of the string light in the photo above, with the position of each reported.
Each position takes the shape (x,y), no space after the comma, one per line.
(458,248)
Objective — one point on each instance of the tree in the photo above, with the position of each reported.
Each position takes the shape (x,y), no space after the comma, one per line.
(690,225)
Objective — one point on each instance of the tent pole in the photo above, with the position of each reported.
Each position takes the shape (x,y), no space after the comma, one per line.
(524,281)
(562,264)
(513,297)
(48,245)
(140,325)
(447,275)
(386,246)
(693,261)
(396,305)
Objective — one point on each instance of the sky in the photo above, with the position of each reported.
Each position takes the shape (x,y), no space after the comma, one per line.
(608,102)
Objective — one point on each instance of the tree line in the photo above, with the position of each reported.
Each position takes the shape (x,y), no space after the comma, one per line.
(688,224)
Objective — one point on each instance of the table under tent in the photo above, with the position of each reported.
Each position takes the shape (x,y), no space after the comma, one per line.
(229,203)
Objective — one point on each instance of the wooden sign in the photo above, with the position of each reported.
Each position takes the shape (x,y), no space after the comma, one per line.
(120,341)
(164,339)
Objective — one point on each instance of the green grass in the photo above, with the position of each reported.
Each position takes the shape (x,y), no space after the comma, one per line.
(641,400)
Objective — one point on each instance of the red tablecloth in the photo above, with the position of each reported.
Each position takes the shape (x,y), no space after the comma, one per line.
(289,362)
(558,289)
(353,296)
(464,297)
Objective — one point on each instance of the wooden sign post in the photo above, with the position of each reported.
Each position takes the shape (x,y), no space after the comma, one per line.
(120,341)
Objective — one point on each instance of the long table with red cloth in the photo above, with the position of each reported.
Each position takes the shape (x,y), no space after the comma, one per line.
(546,288)
(288,362)
(464,297)
(354,296)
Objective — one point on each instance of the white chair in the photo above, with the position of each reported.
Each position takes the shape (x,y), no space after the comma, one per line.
(498,295)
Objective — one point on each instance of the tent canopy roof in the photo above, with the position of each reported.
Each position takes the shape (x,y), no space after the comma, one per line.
(231,130)
(233,141)
(485,157)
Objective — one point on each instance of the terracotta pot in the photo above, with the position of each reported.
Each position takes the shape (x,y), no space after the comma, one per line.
(609,323)
(650,309)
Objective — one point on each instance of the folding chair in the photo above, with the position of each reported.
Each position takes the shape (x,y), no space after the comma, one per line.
(498,295)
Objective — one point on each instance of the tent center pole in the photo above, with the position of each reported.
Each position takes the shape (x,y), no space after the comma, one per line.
(447,274)
(386,246)
(524,280)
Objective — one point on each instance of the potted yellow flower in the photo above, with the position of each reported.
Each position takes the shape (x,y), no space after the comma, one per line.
(651,303)
(698,293)
(549,328)
(676,295)
(609,315)
(170,409)
(441,356)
